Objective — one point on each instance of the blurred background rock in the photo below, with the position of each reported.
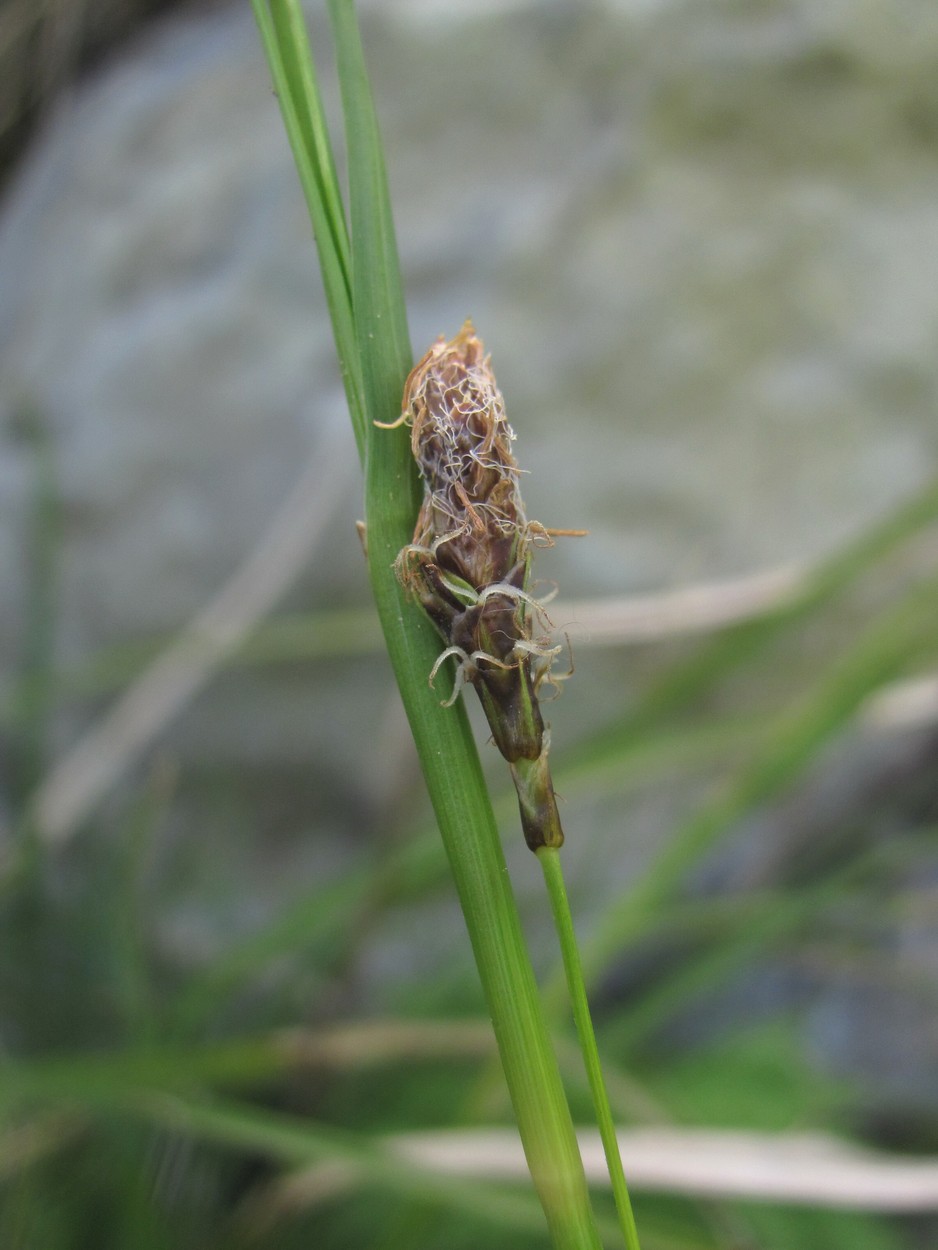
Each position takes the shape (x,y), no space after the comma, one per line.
(700,242)
(46,46)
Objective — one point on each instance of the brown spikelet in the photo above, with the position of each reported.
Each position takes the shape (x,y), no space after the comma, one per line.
(469,563)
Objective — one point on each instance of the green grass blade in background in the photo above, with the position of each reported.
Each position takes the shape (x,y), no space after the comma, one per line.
(794,741)
(757,925)
(690,680)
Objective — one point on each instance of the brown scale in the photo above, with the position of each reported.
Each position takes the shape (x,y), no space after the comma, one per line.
(461,441)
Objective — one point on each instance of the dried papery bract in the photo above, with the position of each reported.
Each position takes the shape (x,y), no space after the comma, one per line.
(469,564)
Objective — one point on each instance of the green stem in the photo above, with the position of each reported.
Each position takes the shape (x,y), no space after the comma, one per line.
(363,286)
(560,906)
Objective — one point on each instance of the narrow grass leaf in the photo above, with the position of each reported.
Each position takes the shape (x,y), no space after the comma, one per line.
(306,100)
(285,49)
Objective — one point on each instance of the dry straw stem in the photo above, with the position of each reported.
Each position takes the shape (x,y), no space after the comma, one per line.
(814,1169)
(810,1169)
(803,1169)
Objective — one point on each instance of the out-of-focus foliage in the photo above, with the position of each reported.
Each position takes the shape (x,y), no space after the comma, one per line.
(159,1091)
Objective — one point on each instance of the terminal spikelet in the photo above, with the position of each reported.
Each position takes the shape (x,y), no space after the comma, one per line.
(469,564)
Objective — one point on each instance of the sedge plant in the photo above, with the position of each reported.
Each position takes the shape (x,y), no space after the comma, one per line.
(449,555)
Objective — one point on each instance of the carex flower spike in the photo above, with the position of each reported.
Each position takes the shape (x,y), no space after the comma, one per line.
(469,565)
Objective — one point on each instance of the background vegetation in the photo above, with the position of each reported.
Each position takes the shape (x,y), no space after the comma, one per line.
(156,1094)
